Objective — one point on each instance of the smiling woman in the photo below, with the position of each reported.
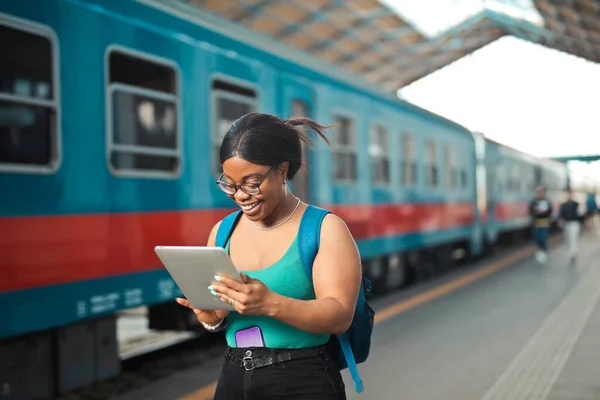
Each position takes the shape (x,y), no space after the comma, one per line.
(254,142)
(279,336)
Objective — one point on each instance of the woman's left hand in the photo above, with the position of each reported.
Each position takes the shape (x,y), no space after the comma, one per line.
(249,298)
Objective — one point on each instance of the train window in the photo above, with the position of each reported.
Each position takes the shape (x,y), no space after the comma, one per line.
(451,169)
(508,178)
(518,179)
(531,180)
(463,175)
(29,104)
(492,185)
(143,123)
(230,102)
(515,182)
(431,169)
(344,156)
(521,179)
(409,160)
(500,177)
(379,152)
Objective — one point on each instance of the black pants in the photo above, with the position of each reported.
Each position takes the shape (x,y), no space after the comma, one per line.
(304,374)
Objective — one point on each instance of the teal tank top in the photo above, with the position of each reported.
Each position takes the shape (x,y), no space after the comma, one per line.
(288,278)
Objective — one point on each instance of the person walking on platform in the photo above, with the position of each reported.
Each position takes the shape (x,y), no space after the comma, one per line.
(540,210)
(591,208)
(569,218)
(278,337)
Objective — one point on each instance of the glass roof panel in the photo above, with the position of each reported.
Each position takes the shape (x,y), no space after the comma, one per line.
(434,17)
(519,9)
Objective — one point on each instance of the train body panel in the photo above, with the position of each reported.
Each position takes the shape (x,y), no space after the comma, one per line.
(510,183)
(511,179)
(83,233)
(555,177)
(66,303)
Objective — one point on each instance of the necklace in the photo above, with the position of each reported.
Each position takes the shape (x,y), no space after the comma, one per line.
(279,224)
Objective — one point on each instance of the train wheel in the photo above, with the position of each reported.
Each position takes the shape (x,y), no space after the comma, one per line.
(395,276)
(375,269)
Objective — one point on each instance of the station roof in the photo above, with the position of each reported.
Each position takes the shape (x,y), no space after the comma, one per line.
(581,158)
(384,45)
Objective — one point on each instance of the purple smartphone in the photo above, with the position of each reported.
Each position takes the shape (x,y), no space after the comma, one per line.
(250,337)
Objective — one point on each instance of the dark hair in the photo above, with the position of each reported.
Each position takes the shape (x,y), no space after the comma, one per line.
(264,139)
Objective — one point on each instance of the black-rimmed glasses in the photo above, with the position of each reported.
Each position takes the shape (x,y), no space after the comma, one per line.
(249,188)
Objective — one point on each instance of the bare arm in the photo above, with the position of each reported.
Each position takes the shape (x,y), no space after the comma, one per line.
(336,278)
(212,237)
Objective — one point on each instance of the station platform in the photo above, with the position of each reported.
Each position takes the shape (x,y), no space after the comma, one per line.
(505,328)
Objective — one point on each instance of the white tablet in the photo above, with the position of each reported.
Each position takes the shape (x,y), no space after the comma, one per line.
(193,269)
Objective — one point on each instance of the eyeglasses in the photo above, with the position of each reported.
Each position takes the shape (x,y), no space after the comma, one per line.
(249,188)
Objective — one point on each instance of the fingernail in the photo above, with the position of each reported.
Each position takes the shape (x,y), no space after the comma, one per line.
(218,279)
(212,289)
(213,292)
(222,299)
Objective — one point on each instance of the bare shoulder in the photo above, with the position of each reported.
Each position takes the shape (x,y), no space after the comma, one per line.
(332,224)
(212,238)
(335,230)
(337,268)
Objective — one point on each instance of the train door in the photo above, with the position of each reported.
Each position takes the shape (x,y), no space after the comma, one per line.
(297,101)
(481,196)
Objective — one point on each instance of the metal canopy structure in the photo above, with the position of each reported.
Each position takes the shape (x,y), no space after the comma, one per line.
(585,159)
(371,39)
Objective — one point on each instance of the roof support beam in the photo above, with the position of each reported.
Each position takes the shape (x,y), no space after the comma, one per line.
(586,159)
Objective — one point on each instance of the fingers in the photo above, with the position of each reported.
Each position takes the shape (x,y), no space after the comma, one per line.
(183,302)
(237,286)
(237,305)
(221,313)
(245,278)
(226,293)
(186,303)
(226,299)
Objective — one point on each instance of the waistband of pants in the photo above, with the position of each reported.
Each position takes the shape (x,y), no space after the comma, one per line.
(258,357)
(541,222)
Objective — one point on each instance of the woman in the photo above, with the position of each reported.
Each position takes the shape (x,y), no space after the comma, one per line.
(295,318)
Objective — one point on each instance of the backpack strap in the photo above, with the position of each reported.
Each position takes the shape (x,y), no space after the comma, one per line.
(309,237)
(226,228)
(347,349)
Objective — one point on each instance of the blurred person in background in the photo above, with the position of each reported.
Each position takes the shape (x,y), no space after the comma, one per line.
(540,210)
(569,219)
(591,208)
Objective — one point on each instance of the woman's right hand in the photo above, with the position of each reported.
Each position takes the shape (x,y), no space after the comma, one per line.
(210,317)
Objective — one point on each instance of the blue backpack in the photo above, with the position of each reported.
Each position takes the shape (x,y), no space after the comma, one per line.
(354,345)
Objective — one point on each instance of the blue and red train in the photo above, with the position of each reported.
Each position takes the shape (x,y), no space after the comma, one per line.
(111,114)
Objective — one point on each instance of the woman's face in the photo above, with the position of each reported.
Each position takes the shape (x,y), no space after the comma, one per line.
(267,181)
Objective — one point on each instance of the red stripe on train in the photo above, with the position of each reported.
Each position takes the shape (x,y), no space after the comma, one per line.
(47,250)
(510,211)
(520,210)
